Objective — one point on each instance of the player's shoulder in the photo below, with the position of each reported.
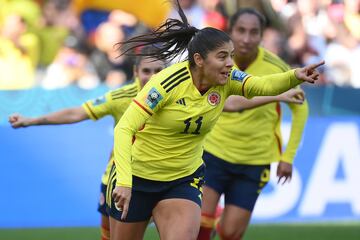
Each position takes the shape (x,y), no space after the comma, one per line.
(173,76)
(272,60)
(128,90)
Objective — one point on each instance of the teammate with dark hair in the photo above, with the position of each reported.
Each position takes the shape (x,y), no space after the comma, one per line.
(238,158)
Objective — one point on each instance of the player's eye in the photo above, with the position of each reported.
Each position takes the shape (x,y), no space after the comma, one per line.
(146,70)
(222,56)
(255,32)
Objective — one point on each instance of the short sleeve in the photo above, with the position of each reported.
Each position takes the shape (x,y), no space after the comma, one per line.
(98,107)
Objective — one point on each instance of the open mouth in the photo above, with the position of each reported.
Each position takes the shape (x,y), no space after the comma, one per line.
(225,74)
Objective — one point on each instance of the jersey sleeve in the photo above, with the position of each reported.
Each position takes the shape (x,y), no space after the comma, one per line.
(250,86)
(148,101)
(98,107)
(300,114)
(132,120)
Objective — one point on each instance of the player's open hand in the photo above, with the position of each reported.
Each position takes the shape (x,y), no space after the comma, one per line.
(17,121)
(309,73)
(122,196)
(284,171)
(293,96)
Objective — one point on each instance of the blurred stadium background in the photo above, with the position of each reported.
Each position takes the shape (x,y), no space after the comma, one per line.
(59,53)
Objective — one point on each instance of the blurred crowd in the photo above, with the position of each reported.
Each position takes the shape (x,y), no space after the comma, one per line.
(48,43)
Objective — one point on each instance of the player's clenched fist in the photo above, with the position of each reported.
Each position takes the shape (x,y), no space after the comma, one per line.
(17,121)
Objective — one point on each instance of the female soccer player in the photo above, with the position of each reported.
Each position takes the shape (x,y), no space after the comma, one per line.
(238,159)
(113,103)
(160,174)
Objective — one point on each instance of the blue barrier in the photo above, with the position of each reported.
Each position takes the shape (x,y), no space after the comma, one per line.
(324,186)
(50,175)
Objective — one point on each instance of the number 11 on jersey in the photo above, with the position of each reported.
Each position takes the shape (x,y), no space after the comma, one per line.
(198,123)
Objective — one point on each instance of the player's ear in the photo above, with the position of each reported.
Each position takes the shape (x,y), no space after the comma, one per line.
(135,69)
(199,61)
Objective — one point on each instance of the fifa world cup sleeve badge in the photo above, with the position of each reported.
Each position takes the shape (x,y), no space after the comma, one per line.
(153,98)
(238,75)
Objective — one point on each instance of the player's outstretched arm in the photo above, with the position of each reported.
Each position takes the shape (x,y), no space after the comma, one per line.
(238,103)
(278,83)
(65,116)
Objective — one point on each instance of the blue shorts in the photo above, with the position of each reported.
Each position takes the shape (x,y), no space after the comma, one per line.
(241,184)
(102,204)
(147,193)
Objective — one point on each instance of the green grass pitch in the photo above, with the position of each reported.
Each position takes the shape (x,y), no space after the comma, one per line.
(331,231)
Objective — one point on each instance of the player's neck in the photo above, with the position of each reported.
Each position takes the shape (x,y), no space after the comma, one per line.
(244,61)
(198,80)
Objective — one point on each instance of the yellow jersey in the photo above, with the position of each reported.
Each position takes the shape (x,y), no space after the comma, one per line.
(175,118)
(256,139)
(113,103)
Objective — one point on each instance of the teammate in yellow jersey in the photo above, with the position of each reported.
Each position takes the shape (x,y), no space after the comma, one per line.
(161,173)
(238,158)
(113,103)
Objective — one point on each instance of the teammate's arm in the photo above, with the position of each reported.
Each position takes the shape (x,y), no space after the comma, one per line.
(65,116)
(299,117)
(239,103)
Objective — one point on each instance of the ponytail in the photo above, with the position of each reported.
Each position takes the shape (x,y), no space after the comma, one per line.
(175,37)
(169,40)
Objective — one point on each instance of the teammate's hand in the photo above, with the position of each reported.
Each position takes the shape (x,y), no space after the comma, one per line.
(284,170)
(293,96)
(309,73)
(17,121)
(122,196)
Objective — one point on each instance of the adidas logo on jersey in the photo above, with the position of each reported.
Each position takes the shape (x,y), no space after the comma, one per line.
(181,101)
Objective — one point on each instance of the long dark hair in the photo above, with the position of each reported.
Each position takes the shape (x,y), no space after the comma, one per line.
(174,37)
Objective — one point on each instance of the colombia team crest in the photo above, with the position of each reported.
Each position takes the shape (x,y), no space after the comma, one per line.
(214,98)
